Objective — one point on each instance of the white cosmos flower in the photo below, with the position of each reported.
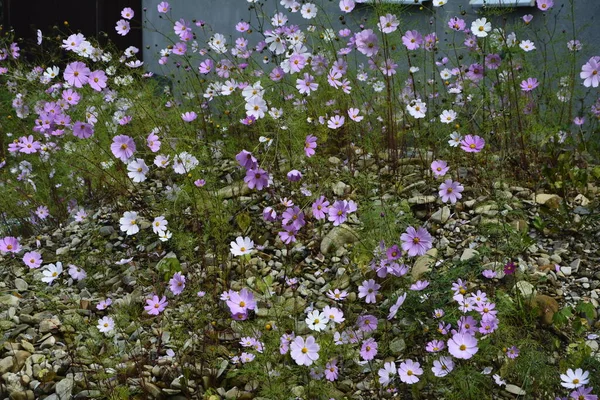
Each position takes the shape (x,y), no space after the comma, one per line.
(448,116)
(455,139)
(51,272)
(480,27)
(573,379)
(159,225)
(129,223)
(241,246)
(106,324)
(137,170)
(316,320)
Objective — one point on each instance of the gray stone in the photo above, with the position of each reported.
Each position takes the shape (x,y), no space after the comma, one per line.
(526,289)
(548,200)
(64,388)
(422,200)
(514,389)
(397,346)
(424,263)
(235,190)
(575,265)
(18,395)
(6,364)
(442,215)
(9,300)
(468,254)
(566,270)
(21,285)
(339,188)
(49,324)
(88,394)
(106,230)
(62,250)
(337,238)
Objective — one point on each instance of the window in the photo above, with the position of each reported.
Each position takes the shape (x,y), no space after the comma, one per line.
(502,3)
(408,2)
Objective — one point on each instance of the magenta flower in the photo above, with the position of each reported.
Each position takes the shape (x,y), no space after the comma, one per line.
(368,290)
(246,160)
(416,241)
(450,191)
(472,144)
(457,24)
(257,178)
(82,130)
(510,268)
(177,283)
(294,217)
(529,84)
(294,175)
(155,306)
(10,244)
(97,80)
(462,345)
(76,74)
(412,40)
(590,72)
(310,144)
(122,147)
(368,349)
(320,208)
(304,352)
(439,167)
(366,323)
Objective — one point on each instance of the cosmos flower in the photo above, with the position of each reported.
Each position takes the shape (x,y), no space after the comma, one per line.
(304,352)
(241,246)
(156,305)
(416,241)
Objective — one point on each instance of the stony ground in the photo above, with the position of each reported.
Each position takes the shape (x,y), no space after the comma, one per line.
(42,355)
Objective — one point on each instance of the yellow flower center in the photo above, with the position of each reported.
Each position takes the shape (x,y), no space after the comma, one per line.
(462,347)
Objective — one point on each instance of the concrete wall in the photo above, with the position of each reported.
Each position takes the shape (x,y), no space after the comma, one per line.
(222,15)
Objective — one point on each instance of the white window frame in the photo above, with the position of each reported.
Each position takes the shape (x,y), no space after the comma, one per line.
(406,2)
(503,3)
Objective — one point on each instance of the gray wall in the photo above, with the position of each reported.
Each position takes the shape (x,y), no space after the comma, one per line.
(222,15)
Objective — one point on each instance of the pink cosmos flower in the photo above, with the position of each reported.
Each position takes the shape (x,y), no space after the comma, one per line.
(450,191)
(257,178)
(127,13)
(76,272)
(122,147)
(304,352)
(306,85)
(457,24)
(396,306)
(331,370)
(545,5)
(177,283)
(472,144)
(310,144)
(409,371)
(368,350)
(82,130)
(412,40)
(527,18)
(388,23)
(76,74)
(583,393)
(442,367)
(419,285)
(32,259)
(368,290)
(29,145)
(122,27)
(97,80)
(10,244)
(104,304)
(156,305)
(153,142)
(163,7)
(246,160)
(366,323)
(71,96)
(439,167)
(462,345)
(416,241)
(189,116)
(590,72)
(529,84)
(335,122)
(241,302)
(366,42)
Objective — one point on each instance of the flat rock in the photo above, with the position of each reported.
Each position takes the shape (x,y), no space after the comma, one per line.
(21,285)
(9,300)
(235,190)
(514,389)
(337,238)
(424,263)
(468,254)
(548,200)
(442,215)
(6,364)
(526,289)
(64,388)
(421,200)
